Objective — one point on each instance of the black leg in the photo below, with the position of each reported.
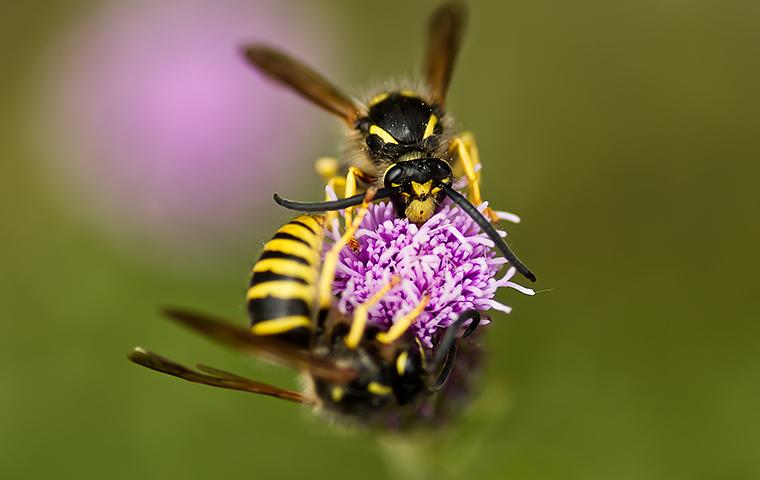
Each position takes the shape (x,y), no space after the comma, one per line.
(474,324)
(446,353)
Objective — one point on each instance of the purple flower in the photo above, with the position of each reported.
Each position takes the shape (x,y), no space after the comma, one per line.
(447,258)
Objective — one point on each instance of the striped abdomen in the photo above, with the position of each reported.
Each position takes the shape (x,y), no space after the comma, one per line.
(283,288)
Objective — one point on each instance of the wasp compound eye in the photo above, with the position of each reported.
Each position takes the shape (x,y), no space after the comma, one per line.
(442,170)
(394,176)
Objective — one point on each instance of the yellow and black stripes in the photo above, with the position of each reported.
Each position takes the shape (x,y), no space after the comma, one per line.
(282,290)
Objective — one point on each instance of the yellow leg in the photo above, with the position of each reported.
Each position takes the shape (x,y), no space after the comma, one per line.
(330,263)
(353,172)
(338,185)
(467,152)
(359,322)
(327,167)
(401,325)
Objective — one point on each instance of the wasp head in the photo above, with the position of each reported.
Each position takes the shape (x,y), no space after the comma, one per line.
(417,186)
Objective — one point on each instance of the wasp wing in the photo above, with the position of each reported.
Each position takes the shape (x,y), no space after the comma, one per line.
(292,73)
(213,377)
(444,39)
(264,346)
(219,373)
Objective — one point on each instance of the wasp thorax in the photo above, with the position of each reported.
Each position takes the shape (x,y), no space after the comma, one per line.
(416,186)
(398,123)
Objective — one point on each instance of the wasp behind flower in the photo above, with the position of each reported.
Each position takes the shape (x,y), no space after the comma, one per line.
(403,140)
(356,369)
(377,331)
(376,327)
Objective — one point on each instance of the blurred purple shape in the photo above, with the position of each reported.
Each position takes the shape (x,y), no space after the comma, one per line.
(161,125)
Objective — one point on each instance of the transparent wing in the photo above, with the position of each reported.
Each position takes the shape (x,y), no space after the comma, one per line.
(444,39)
(263,346)
(213,377)
(292,73)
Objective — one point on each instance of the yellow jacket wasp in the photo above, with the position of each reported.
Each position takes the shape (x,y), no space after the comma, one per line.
(353,370)
(404,144)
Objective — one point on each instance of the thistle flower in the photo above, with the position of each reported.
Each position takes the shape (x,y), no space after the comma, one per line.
(447,258)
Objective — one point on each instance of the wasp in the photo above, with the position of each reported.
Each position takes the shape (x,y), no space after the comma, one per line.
(353,370)
(402,141)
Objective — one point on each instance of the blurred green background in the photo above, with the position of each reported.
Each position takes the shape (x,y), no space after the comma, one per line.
(624,133)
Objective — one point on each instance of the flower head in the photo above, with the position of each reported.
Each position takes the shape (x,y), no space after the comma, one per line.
(447,258)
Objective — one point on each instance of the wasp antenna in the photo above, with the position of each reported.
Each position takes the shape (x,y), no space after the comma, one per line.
(330,205)
(489,230)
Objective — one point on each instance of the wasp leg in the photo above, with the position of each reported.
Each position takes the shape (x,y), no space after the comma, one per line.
(401,325)
(466,150)
(474,324)
(336,184)
(327,167)
(446,368)
(330,263)
(351,176)
(447,348)
(450,337)
(361,313)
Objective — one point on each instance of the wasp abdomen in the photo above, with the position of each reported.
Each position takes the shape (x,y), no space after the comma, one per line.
(282,291)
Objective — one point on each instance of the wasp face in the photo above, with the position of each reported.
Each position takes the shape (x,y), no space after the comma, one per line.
(416,186)
(399,123)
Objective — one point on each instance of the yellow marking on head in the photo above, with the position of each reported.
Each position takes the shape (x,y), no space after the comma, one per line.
(385,136)
(401,325)
(361,313)
(336,393)
(401,363)
(299,231)
(293,247)
(284,266)
(379,389)
(280,325)
(284,289)
(378,98)
(430,127)
(435,190)
(421,189)
(314,221)
(408,93)
(419,211)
